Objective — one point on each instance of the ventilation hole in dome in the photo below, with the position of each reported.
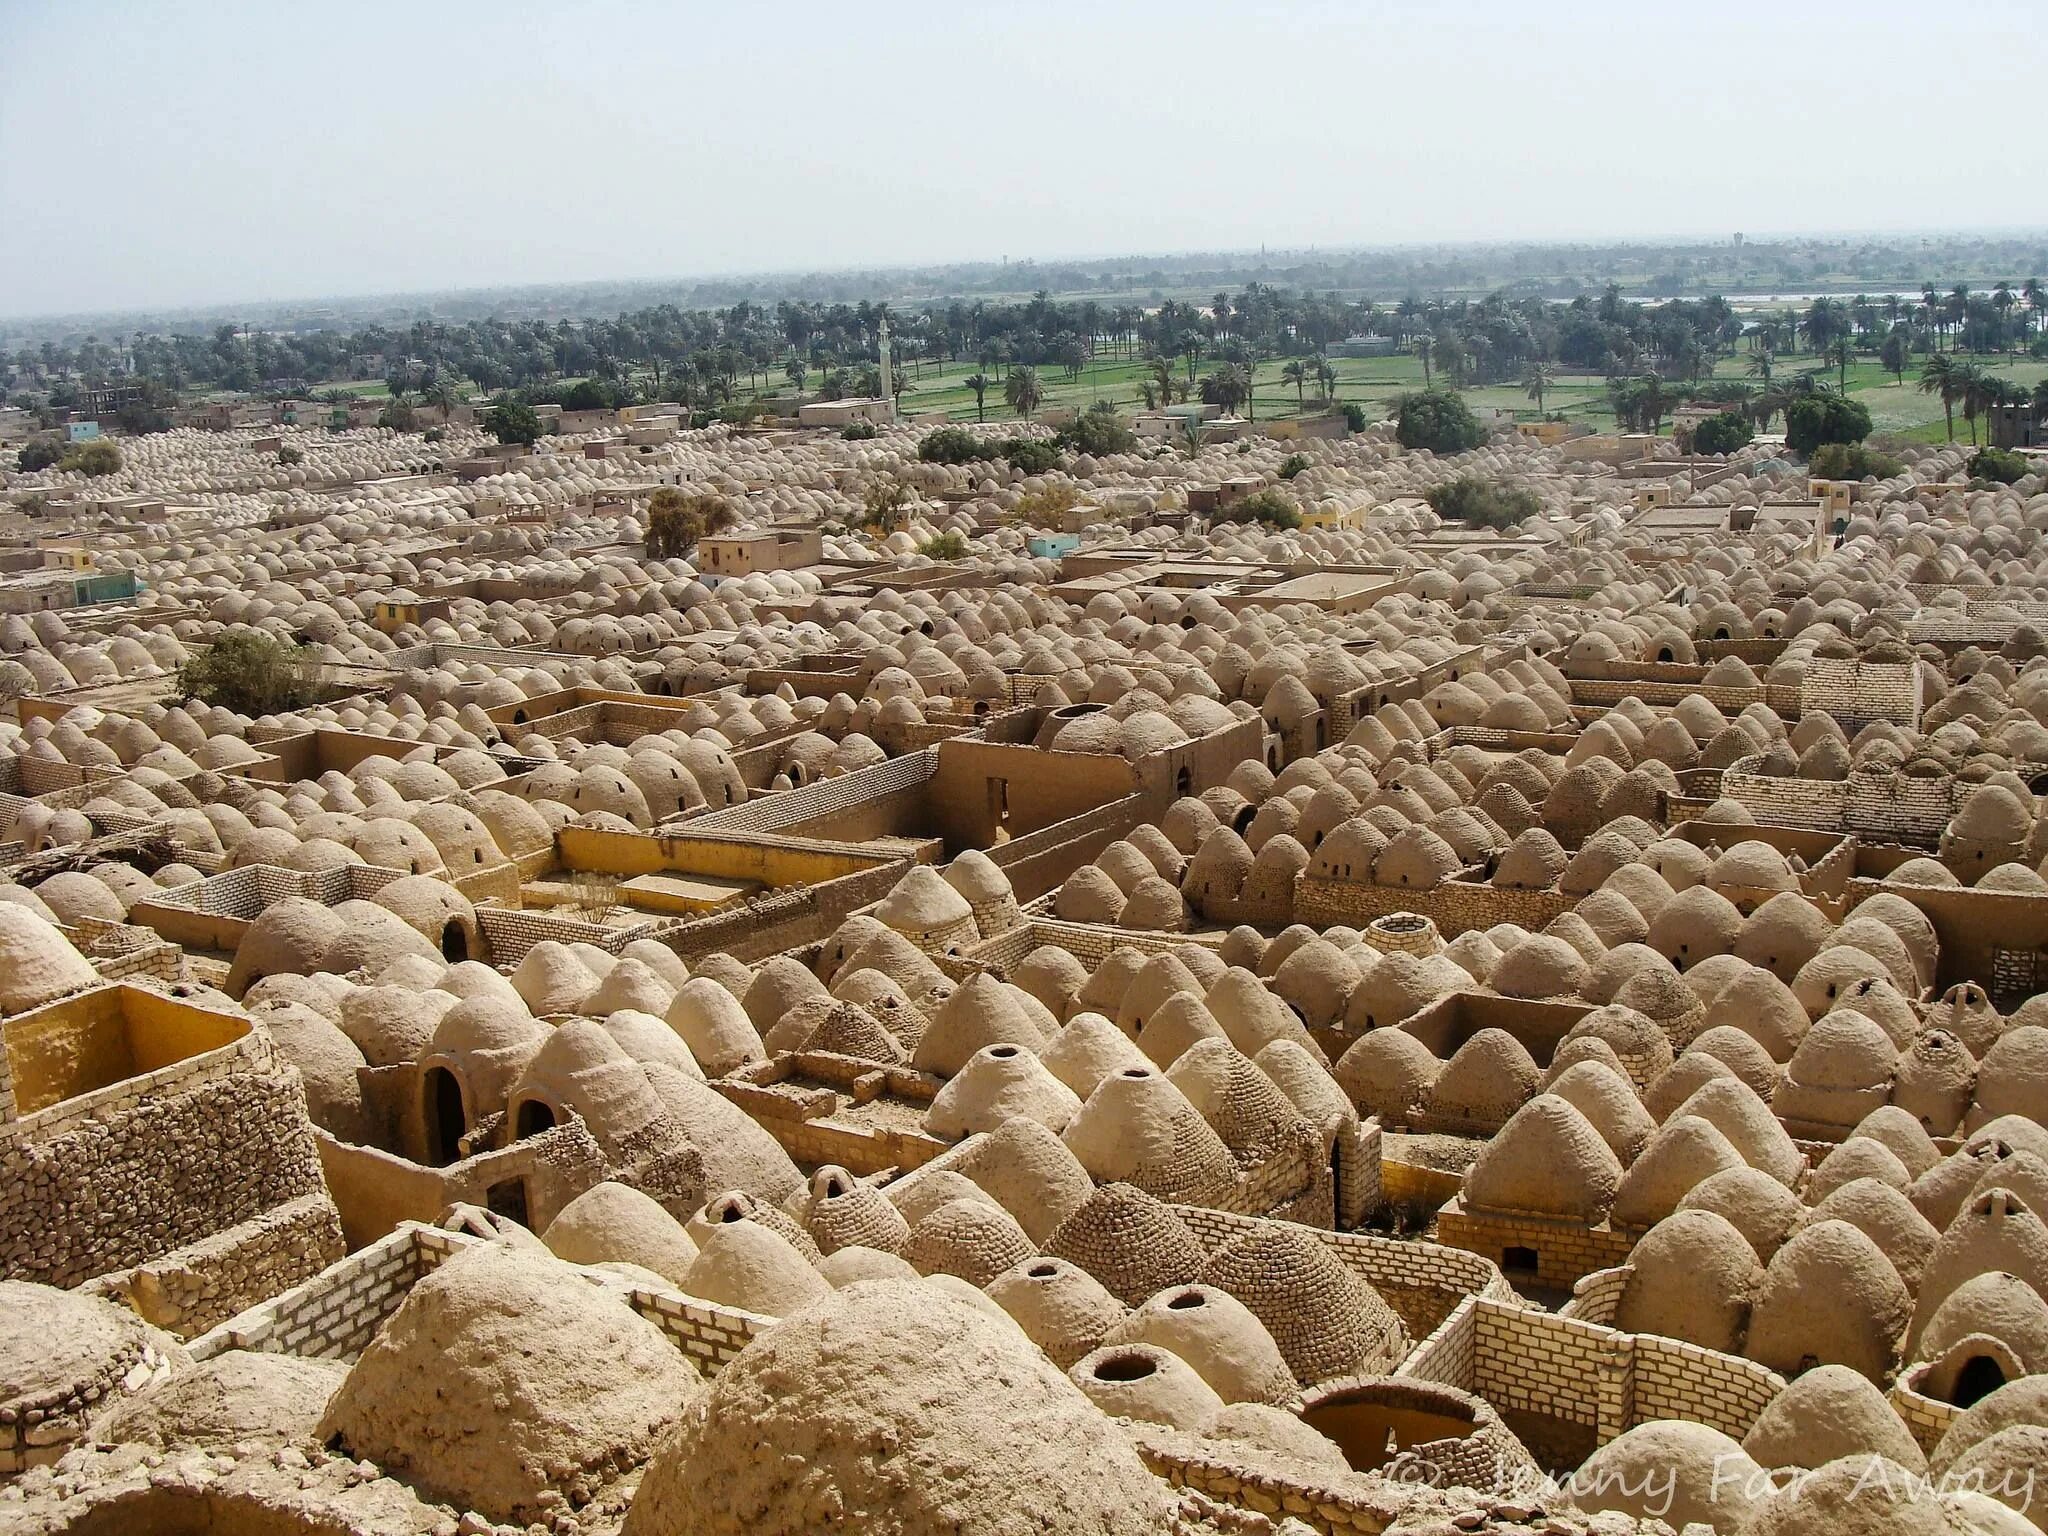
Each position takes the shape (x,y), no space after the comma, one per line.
(1002,1052)
(1043,1271)
(1130,1367)
(1185,1301)
(1136,1072)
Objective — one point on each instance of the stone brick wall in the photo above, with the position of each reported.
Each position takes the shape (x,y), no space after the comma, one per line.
(192,1289)
(111,1180)
(1927,1417)
(1565,1253)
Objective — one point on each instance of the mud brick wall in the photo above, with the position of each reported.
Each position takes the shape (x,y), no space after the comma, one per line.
(115,1179)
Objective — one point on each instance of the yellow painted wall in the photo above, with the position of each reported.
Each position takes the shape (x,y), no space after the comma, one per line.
(106,1036)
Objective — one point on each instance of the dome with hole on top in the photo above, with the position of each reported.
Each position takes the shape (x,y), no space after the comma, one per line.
(1146,1383)
(1216,1334)
(1548,1160)
(840,1211)
(999,1083)
(1138,1128)
(1062,1308)
(1003,1441)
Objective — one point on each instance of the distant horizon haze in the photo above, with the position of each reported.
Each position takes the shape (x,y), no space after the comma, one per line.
(180,156)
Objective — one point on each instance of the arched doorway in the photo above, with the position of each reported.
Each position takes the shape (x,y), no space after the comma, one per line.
(441,1103)
(454,942)
(535,1116)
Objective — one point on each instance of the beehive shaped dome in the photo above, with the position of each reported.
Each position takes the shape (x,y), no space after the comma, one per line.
(1387,1073)
(714,1025)
(999,1083)
(1088,1049)
(1755,1204)
(1693,1278)
(37,963)
(1026,1169)
(1685,1151)
(1738,1114)
(909,1410)
(1827,1413)
(1762,1006)
(1841,1071)
(981,1012)
(1488,1078)
(1674,1471)
(1326,1321)
(235,1398)
(1994,1231)
(973,1239)
(926,910)
(1862,1495)
(751,1265)
(1994,1320)
(1608,1101)
(1829,1297)
(551,979)
(1546,1161)
(1539,967)
(1217,1335)
(1130,1242)
(612,1223)
(461,1390)
(1062,1308)
(1137,1128)
(1782,934)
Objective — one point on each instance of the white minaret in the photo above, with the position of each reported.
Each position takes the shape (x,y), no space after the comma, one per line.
(882,345)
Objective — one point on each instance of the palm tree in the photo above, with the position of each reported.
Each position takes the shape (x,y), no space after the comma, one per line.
(978,382)
(1760,364)
(1970,382)
(1023,392)
(795,371)
(444,394)
(1326,378)
(1162,375)
(1296,373)
(1938,376)
(1840,352)
(1422,350)
(1535,381)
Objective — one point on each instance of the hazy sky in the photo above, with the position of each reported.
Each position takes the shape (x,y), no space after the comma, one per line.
(168,153)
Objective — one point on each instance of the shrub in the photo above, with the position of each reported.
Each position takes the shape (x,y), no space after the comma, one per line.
(436,434)
(398,416)
(884,506)
(1851,461)
(513,421)
(859,431)
(1354,415)
(1099,430)
(1045,507)
(1815,419)
(676,522)
(1030,455)
(954,445)
(1292,465)
(1271,507)
(1480,503)
(91,459)
(288,456)
(251,673)
(1997,464)
(945,546)
(40,453)
(1725,433)
(1438,420)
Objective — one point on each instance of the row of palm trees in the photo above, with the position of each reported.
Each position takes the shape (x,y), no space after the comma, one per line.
(1958,381)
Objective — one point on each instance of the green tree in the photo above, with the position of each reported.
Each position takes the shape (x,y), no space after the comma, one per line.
(1296,373)
(1482,503)
(1972,383)
(1725,433)
(677,522)
(1998,465)
(1270,508)
(885,506)
(251,673)
(1851,461)
(288,456)
(1536,381)
(1437,420)
(1326,378)
(1023,392)
(978,382)
(1823,417)
(1292,465)
(1895,353)
(92,459)
(795,371)
(1939,375)
(1841,352)
(39,453)
(513,421)
(1099,430)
